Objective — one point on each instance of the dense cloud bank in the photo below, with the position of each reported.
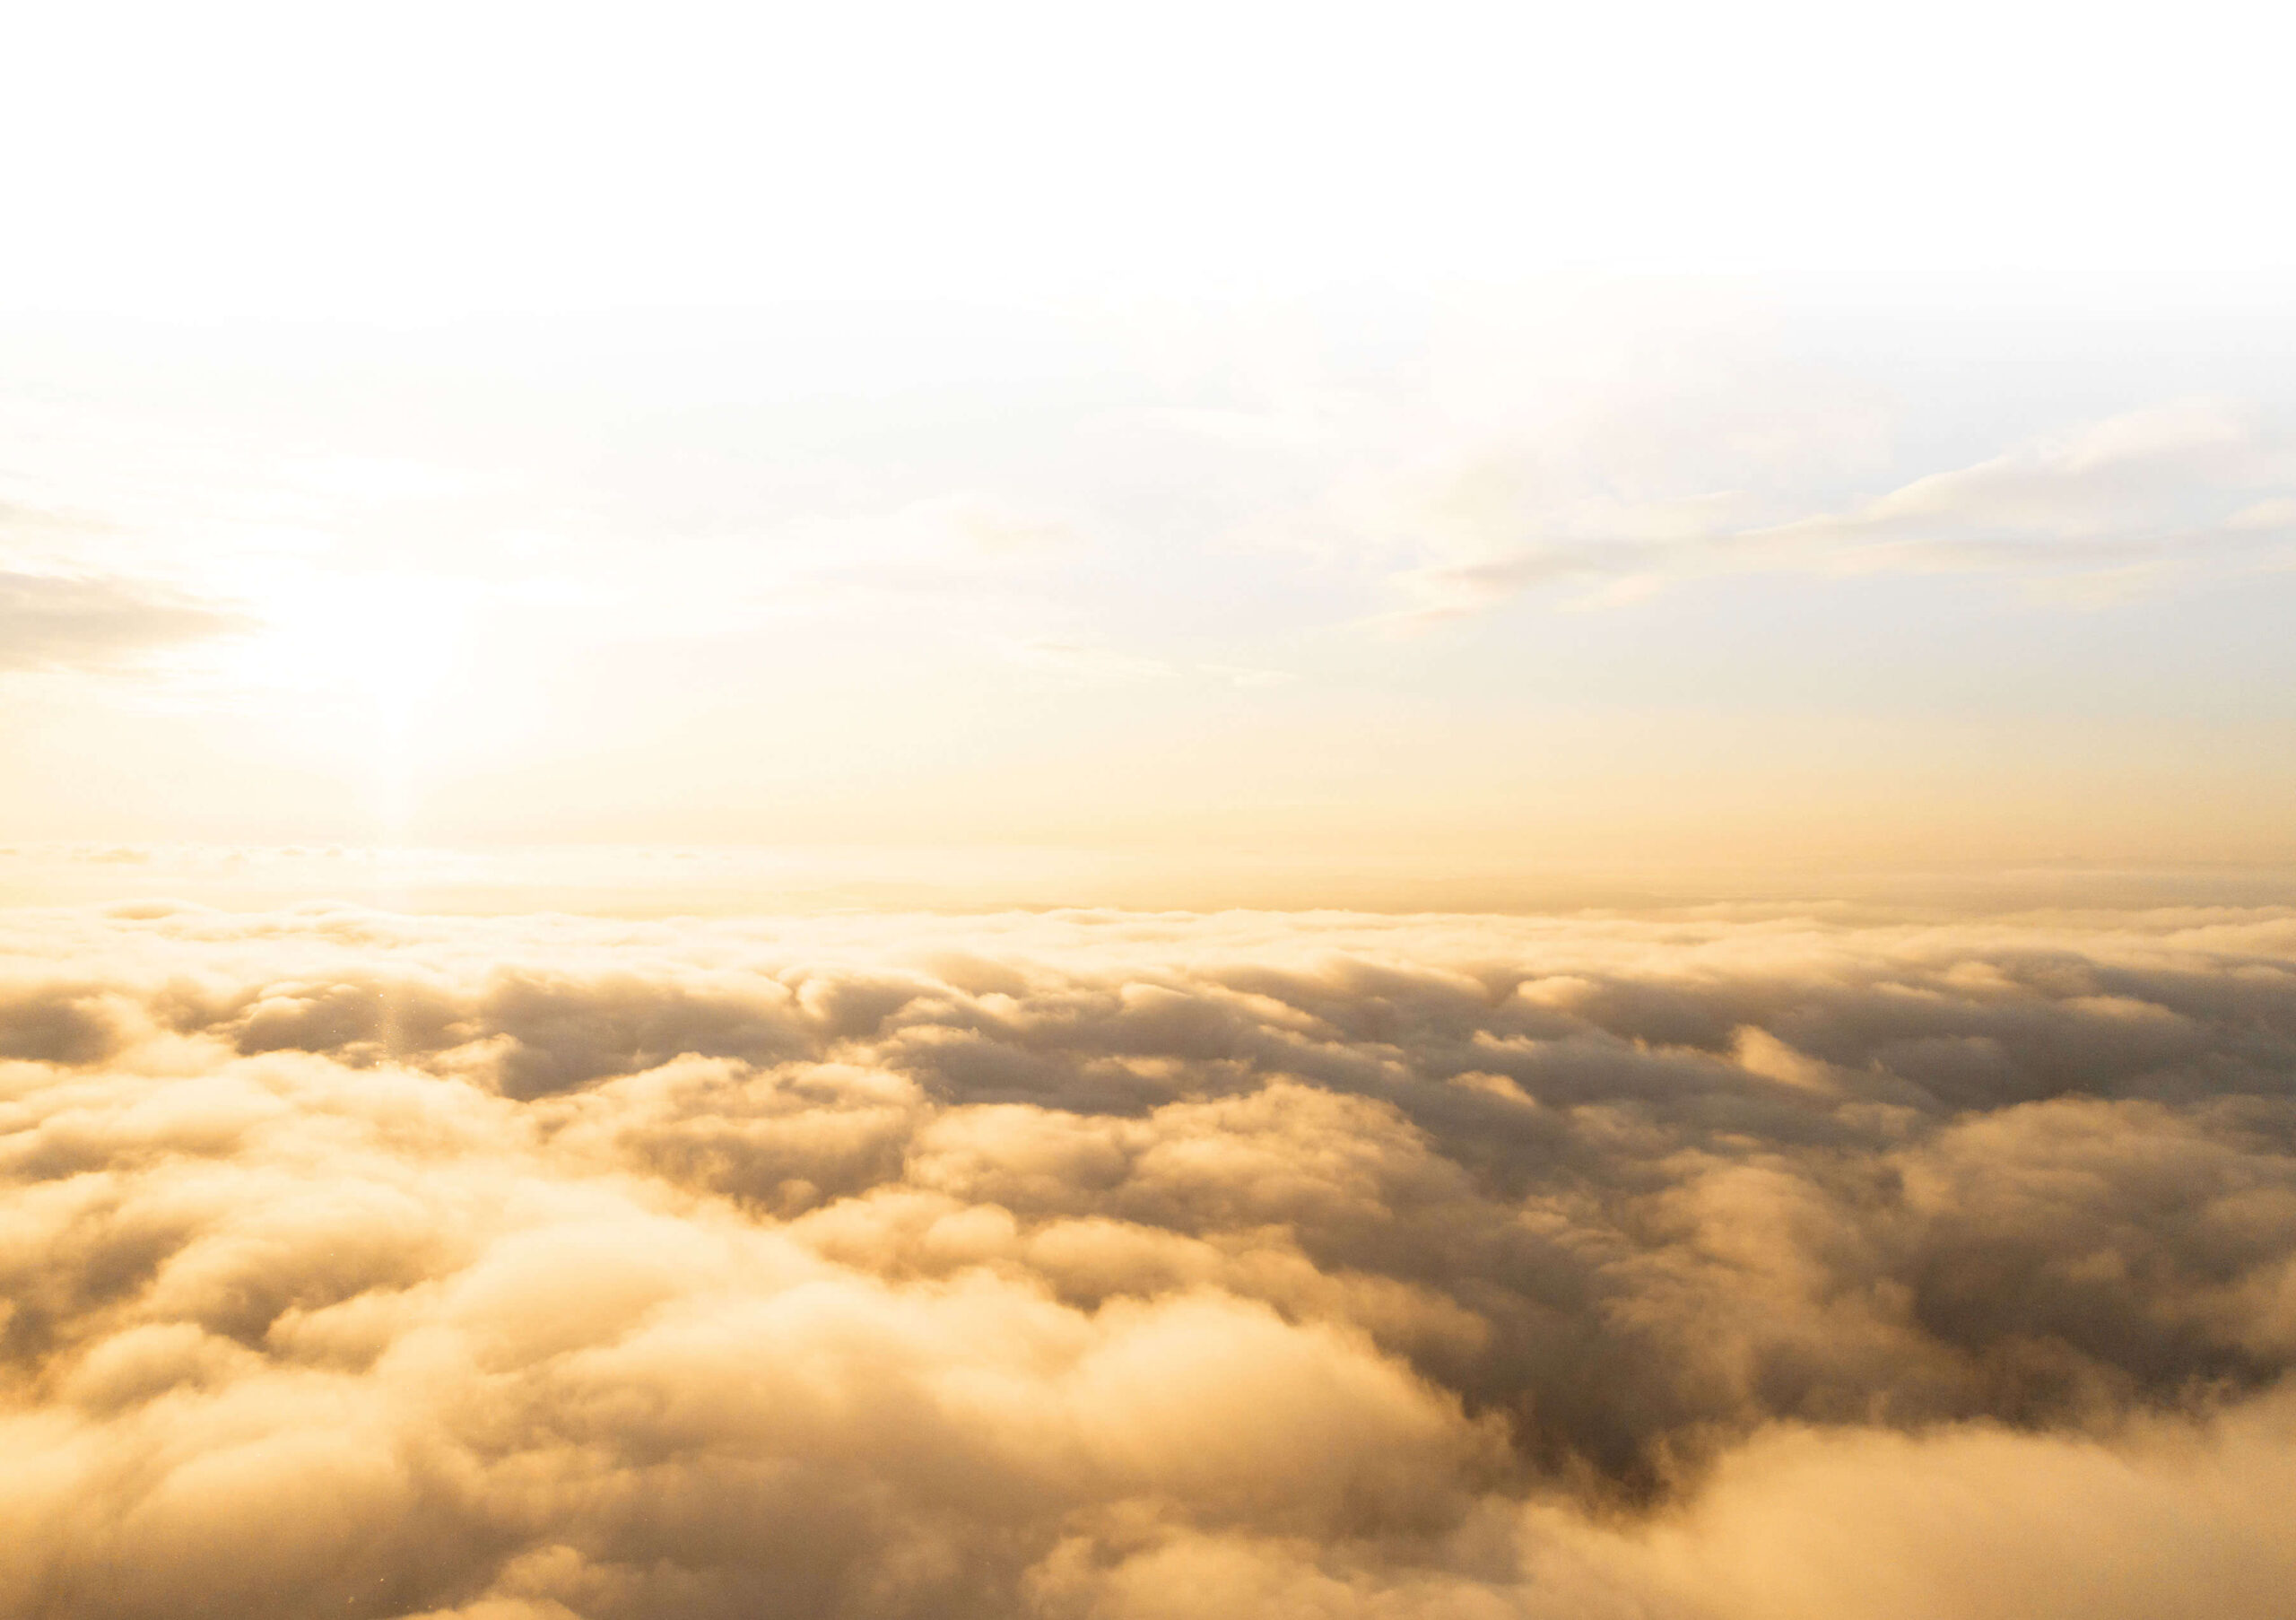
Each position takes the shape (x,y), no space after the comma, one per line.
(1122,1267)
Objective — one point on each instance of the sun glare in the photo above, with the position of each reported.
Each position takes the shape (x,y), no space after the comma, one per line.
(374,650)
(369,672)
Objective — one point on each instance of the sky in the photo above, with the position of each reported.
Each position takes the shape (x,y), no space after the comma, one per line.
(1090,813)
(1253,454)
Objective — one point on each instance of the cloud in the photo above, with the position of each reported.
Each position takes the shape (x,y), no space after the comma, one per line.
(19,520)
(929,544)
(1087,662)
(1093,663)
(2139,479)
(84,622)
(2085,516)
(1109,1265)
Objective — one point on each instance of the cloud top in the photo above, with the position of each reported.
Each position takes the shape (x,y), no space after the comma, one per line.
(1108,1265)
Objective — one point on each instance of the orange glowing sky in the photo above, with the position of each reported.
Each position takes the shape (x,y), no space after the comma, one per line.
(1339,454)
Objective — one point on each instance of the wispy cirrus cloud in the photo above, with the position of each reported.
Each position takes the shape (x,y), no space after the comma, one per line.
(2092,514)
(61,621)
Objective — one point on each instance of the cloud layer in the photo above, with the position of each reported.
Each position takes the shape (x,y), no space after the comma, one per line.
(1103,1264)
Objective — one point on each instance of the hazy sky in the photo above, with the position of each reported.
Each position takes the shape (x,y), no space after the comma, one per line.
(1233,436)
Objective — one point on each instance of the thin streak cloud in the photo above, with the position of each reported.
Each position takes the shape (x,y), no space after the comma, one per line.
(55,622)
(2117,501)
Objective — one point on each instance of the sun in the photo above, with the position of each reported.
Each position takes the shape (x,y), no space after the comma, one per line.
(362,669)
(383,646)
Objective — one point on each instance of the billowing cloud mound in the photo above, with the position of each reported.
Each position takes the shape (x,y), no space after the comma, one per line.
(1119,1267)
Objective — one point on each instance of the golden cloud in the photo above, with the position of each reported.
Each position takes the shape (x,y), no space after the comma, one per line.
(1110,1266)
